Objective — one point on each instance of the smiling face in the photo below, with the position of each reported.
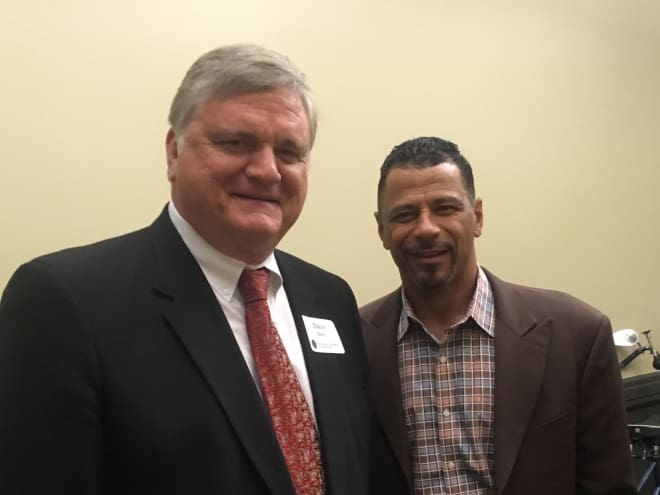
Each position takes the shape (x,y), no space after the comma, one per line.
(428,222)
(239,175)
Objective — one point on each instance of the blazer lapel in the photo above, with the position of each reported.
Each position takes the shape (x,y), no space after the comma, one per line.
(521,345)
(196,317)
(380,339)
(325,375)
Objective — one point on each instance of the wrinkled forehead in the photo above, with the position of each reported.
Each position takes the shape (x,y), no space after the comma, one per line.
(297,101)
(278,112)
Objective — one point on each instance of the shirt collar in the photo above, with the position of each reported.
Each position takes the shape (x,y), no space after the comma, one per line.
(221,271)
(481,309)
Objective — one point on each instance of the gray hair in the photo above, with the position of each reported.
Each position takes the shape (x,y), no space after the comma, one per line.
(235,70)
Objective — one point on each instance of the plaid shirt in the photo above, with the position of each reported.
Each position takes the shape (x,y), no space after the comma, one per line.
(448,397)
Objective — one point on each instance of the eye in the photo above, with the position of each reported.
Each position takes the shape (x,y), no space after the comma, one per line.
(230,142)
(403,216)
(288,155)
(445,209)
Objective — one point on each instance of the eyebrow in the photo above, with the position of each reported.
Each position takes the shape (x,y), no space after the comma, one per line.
(404,208)
(443,200)
(292,143)
(447,200)
(220,132)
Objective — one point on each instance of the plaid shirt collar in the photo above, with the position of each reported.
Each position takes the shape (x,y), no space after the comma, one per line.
(481,309)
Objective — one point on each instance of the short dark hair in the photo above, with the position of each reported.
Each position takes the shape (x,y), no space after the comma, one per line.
(426,152)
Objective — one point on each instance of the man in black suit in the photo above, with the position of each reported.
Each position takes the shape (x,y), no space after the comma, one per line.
(126,367)
(481,386)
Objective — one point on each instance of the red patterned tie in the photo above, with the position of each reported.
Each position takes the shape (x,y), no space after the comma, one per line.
(289,411)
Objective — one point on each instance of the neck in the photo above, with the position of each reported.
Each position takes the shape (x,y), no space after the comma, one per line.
(442,307)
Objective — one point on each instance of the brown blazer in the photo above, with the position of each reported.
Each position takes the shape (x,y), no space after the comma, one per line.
(559,417)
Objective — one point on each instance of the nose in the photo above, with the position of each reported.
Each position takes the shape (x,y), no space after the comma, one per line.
(263,166)
(426,226)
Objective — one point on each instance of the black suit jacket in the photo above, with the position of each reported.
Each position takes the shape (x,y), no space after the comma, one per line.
(559,417)
(119,374)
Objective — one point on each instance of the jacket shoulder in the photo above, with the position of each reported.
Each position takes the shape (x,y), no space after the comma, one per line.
(89,260)
(301,268)
(543,303)
(383,307)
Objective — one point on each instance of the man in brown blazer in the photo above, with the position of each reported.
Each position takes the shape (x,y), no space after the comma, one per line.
(481,386)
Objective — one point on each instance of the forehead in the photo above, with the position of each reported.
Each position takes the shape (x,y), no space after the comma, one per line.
(280,110)
(410,183)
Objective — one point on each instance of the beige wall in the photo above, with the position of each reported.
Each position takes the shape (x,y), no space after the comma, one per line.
(556,104)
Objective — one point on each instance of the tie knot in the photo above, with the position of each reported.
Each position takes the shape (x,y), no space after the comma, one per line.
(253,285)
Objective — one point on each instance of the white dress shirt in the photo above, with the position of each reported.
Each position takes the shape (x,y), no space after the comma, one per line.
(222,273)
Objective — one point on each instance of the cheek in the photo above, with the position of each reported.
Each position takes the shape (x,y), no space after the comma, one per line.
(395,238)
(218,177)
(295,183)
(302,189)
(200,178)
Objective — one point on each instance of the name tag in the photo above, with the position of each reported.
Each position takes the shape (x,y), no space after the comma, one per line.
(323,336)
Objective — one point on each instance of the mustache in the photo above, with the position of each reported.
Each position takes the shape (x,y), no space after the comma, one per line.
(426,247)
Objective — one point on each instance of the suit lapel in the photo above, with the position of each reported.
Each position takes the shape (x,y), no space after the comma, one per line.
(521,346)
(325,374)
(196,317)
(380,339)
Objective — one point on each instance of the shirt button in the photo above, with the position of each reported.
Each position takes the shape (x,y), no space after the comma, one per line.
(445,413)
(443,359)
(451,465)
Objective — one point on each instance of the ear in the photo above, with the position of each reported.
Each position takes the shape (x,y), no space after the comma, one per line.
(478,217)
(172,152)
(381,229)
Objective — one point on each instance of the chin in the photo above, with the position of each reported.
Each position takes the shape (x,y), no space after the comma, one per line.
(258,225)
(431,284)
(434,280)
(260,232)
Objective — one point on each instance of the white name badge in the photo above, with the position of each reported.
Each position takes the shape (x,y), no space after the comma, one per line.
(322,335)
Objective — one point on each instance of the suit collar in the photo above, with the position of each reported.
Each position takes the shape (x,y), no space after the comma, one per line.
(193,313)
(325,371)
(221,271)
(521,347)
(380,324)
(510,308)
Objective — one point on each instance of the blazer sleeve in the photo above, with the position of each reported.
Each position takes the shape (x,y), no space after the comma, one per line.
(603,462)
(50,421)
